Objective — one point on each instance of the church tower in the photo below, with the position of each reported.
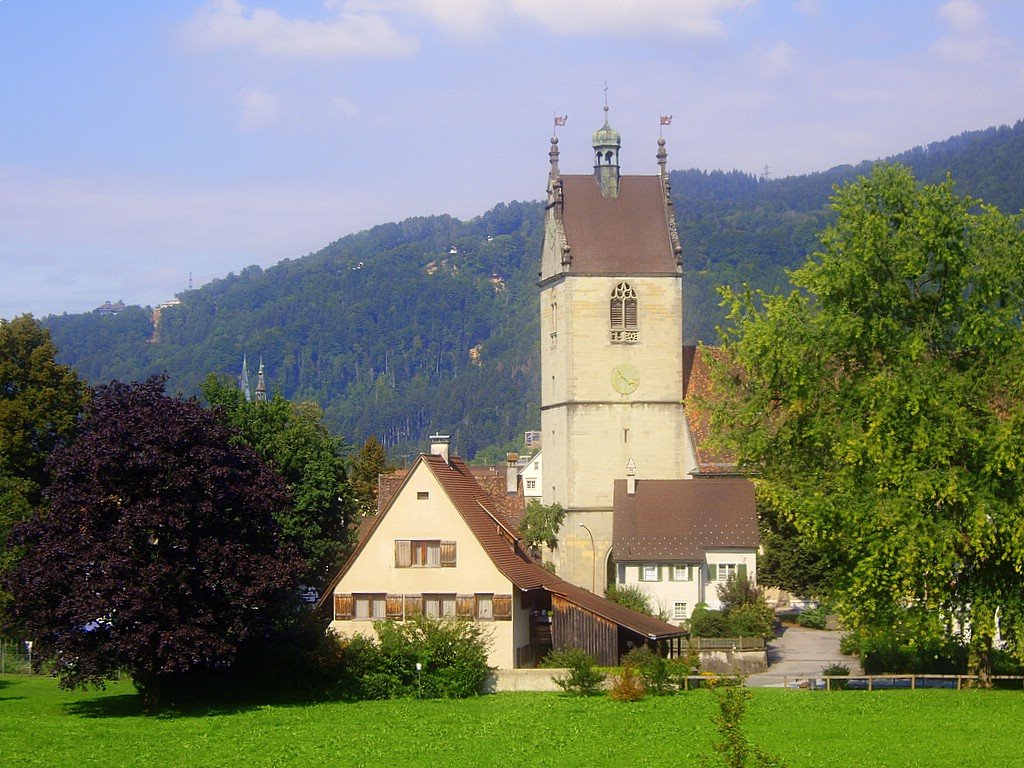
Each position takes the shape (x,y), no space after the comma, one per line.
(611,307)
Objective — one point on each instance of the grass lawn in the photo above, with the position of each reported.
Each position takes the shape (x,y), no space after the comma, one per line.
(43,726)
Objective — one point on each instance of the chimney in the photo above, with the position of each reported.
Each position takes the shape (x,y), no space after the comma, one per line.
(512,474)
(439,446)
(631,478)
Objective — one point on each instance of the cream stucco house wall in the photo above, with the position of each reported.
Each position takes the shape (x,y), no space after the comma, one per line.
(439,548)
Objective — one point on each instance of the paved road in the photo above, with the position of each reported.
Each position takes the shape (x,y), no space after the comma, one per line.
(798,652)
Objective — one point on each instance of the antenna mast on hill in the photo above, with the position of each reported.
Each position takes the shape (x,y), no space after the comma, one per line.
(190,279)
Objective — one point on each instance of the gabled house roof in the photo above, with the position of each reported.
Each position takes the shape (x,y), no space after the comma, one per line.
(623,235)
(503,544)
(679,520)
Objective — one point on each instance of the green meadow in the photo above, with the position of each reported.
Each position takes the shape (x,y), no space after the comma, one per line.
(41,725)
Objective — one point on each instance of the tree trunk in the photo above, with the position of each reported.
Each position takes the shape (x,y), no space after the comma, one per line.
(979,659)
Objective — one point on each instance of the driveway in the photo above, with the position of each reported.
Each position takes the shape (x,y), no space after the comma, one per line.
(799,652)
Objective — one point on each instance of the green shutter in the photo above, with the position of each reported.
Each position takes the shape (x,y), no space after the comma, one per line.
(659,573)
(712,572)
(671,571)
(741,571)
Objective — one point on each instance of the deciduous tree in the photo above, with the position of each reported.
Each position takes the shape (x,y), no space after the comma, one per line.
(883,404)
(39,404)
(159,553)
(292,437)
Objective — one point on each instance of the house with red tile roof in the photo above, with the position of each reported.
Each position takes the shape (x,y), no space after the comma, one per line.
(440,547)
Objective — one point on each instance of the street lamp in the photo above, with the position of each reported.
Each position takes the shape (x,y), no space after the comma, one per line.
(593,551)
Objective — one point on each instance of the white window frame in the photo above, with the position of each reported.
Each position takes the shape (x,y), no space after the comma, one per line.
(679,611)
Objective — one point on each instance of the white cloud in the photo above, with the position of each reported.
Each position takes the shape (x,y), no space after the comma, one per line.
(778,60)
(963,16)
(260,109)
(808,7)
(354,31)
(633,18)
(345,107)
(971,39)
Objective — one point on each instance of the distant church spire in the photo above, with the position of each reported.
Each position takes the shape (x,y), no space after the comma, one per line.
(606,156)
(243,380)
(261,385)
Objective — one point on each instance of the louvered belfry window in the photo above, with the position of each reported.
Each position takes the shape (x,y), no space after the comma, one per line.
(623,315)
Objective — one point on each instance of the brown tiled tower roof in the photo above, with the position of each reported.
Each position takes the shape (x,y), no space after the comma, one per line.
(628,234)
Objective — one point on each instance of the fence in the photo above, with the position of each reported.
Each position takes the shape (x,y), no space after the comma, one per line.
(727,643)
(15,658)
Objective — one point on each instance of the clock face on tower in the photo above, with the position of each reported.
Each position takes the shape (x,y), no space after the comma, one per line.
(625,378)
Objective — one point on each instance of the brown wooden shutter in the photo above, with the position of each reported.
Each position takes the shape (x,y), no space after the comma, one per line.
(447,554)
(616,313)
(413,605)
(343,606)
(630,319)
(465,606)
(395,604)
(403,553)
(502,607)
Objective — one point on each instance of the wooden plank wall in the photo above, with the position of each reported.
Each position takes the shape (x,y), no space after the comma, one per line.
(573,626)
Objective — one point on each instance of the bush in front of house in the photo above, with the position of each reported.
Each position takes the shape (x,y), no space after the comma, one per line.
(452,655)
(658,673)
(705,622)
(751,620)
(631,596)
(582,679)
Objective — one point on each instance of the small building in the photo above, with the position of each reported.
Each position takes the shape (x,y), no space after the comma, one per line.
(439,548)
(678,540)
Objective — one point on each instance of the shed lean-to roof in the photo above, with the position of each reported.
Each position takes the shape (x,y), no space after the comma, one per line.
(628,234)
(697,387)
(679,520)
(502,544)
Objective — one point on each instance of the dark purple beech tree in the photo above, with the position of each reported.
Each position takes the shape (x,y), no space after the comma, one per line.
(159,553)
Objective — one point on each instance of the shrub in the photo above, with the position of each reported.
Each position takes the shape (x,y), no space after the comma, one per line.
(627,685)
(583,678)
(707,623)
(630,596)
(452,655)
(849,644)
(752,620)
(654,669)
(737,591)
(813,618)
(836,670)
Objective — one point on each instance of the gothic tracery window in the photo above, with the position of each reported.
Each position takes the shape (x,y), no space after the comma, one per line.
(623,315)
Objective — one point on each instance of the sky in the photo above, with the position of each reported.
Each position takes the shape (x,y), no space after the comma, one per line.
(141,143)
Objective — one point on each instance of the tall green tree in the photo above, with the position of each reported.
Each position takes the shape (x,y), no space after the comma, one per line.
(366,465)
(293,439)
(158,553)
(883,404)
(39,404)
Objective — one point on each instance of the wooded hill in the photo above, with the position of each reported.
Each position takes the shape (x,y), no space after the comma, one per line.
(432,323)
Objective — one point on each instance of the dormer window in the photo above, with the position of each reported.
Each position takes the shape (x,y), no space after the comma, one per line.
(623,315)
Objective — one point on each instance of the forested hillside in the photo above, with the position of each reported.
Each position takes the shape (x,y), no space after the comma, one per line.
(431,323)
